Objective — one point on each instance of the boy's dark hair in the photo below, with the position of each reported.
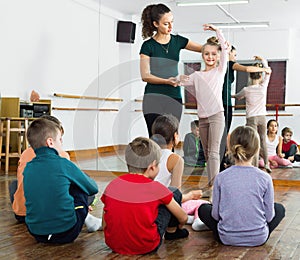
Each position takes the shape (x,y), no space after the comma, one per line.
(40,130)
(140,153)
(286,130)
(256,75)
(194,124)
(166,126)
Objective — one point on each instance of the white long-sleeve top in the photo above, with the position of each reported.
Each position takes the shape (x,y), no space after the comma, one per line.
(256,96)
(209,84)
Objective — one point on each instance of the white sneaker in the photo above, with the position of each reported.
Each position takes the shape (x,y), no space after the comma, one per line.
(296,164)
(198,225)
(190,220)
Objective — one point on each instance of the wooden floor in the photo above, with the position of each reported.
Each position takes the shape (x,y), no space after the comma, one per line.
(284,243)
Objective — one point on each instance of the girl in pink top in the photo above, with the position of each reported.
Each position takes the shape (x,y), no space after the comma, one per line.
(208,85)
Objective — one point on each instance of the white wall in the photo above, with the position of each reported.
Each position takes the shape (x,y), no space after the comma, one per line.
(64,46)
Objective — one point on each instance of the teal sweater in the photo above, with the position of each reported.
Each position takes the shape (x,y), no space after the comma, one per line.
(47,179)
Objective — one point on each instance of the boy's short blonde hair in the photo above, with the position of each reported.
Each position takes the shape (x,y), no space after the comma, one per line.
(40,130)
(140,153)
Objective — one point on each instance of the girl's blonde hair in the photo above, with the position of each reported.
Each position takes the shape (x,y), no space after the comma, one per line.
(244,143)
(212,41)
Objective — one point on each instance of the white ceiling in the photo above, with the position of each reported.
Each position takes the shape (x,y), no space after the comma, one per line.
(281,14)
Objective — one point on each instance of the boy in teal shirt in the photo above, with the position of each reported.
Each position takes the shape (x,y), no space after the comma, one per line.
(192,147)
(55,189)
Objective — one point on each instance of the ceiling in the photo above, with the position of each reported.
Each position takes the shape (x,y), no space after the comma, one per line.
(281,14)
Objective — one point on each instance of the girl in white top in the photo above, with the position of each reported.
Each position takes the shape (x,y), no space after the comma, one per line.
(165,133)
(208,85)
(274,146)
(256,95)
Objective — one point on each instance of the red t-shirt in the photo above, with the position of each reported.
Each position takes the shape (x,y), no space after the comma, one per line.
(131,207)
(286,146)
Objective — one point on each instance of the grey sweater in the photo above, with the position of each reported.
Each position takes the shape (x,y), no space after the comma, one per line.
(243,204)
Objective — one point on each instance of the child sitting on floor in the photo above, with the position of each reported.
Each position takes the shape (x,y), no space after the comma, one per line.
(56,190)
(243,212)
(289,147)
(192,147)
(138,211)
(274,146)
(165,133)
(16,189)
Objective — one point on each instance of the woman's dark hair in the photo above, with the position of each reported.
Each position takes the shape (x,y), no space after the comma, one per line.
(152,13)
(165,126)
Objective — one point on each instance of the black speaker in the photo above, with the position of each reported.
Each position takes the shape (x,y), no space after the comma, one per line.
(125,31)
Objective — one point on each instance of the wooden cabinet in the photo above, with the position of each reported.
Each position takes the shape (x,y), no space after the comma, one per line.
(14,107)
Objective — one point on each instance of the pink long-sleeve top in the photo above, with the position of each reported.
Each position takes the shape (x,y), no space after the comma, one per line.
(208,85)
(256,96)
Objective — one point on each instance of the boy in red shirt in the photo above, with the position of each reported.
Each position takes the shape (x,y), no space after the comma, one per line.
(289,147)
(137,210)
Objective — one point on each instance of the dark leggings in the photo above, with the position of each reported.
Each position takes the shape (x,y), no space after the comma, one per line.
(204,212)
(155,105)
(228,120)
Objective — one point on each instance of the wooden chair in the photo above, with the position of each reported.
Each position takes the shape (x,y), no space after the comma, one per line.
(10,125)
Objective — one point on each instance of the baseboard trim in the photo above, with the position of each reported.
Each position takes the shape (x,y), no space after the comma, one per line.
(94,153)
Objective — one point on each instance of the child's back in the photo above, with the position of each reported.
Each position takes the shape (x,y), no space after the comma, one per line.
(47,179)
(138,211)
(56,190)
(254,191)
(131,208)
(243,212)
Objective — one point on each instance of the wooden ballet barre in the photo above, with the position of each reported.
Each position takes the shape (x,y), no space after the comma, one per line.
(86,97)
(241,114)
(266,114)
(271,105)
(85,109)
